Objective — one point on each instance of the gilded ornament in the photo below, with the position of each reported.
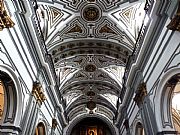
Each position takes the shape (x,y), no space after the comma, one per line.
(38,92)
(5,20)
(91,13)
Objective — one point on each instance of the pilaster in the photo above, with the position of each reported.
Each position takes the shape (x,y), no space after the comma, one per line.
(36,99)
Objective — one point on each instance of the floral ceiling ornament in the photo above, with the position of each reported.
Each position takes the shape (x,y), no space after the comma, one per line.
(91,13)
(5,20)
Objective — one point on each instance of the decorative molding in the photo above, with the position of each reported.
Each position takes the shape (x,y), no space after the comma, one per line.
(140,94)
(92,48)
(38,92)
(175,22)
(5,20)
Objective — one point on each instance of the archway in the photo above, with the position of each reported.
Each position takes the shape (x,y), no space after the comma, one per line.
(139,129)
(75,121)
(167,92)
(8,98)
(40,129)
(175,106)
(11,100)
(91,126)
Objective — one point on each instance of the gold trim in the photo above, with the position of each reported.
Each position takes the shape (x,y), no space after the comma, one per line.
(38,92)
(5,20)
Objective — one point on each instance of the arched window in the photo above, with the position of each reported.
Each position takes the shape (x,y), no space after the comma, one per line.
(10,102)
(1,98)
(40,129)
(176,104)
(139,129)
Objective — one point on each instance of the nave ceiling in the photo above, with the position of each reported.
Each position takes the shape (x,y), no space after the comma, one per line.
(90,42)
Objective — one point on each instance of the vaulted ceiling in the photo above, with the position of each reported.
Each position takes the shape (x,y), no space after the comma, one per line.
(90,42)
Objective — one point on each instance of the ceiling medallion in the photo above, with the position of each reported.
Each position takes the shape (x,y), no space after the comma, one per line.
(91,13)
(90,68)
(91,105)
(90,94)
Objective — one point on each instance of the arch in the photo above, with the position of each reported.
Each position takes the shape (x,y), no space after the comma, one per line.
(163,101)
(67,130)
(40,129)
(15,102)
(139,130)
(137,120)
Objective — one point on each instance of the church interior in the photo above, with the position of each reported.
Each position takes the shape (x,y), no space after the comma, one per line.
(89,67)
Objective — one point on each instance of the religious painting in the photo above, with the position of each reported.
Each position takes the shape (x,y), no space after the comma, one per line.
(92,130)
